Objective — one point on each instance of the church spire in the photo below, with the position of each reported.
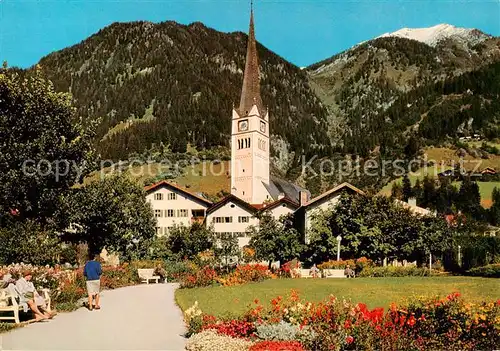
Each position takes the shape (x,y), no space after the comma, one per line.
(250,94)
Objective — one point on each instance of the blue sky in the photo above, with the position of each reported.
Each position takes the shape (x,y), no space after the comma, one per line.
(302,31)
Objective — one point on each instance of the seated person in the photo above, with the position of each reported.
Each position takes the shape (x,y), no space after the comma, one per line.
(313,272)
(29,295)
(348,272)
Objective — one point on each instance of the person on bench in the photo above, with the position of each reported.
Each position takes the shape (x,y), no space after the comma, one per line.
(348,272)
(30,296)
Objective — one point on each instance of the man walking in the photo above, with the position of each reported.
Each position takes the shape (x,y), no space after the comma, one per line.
(92,272)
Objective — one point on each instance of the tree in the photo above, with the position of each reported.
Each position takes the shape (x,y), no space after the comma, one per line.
(46,148)
(407,190)
(28,242)
(469,200)
(494,212)
(276,240)
(397,191)
(226,247)
(188,242)
(112,213)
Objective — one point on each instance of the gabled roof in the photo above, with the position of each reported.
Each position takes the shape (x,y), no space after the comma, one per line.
(285,200)
(164,183)
(234,199)
(331,192)
(277,187)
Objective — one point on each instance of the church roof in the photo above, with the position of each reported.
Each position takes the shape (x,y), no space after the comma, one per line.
(277,187)
(250,93)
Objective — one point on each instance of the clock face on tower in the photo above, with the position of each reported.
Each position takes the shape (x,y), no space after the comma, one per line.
(243,126)
(262,127)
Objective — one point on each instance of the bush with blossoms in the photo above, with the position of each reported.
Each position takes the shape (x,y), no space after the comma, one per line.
(293,324)
(207,276)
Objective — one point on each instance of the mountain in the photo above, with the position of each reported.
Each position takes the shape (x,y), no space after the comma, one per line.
(360,84)
(175,84)
(432,36)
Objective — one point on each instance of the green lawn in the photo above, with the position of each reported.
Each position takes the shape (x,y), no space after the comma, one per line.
(375,292)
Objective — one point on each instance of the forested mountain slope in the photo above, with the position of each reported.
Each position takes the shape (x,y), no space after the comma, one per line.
(360,84)
(176,84)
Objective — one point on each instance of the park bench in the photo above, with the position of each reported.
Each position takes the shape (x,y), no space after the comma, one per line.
(333,273)
(10,307)
(147,274)
(306,273)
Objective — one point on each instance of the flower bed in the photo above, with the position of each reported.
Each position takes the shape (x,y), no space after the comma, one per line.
(207,276)
(293,324)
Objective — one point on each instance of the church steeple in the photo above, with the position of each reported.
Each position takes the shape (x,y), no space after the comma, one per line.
(250,94)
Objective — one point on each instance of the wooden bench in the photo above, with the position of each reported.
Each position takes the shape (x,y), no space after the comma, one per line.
(306,273)
(333,273)
(9,304)
(147,274)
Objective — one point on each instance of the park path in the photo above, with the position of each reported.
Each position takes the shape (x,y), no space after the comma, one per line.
(142,317)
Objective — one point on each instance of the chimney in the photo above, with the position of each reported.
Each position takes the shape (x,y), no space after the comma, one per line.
(412,201)
(304,197)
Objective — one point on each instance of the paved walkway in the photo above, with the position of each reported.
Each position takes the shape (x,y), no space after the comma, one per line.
(142,317)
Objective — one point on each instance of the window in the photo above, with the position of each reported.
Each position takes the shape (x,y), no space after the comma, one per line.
(243,219)
(262,144)
(158,230)
(223,219)
(158,213)
(170,213)
(172,196)
(244,143)
(182,213)
(158,196)
(239,234)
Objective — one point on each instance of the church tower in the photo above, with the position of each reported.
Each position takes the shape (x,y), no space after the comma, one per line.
(250,133)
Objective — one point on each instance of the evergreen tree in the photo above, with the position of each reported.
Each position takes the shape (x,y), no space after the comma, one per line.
(494,212)
(397,191)
(407,190)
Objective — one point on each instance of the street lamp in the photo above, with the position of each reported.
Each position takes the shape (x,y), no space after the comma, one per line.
(339,238)
(459,256)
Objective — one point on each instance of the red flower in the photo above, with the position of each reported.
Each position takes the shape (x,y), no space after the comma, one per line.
(349,339)
(411,321)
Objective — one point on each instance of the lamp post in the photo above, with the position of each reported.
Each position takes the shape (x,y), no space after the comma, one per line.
(339,238)
(459,256)
(136,243)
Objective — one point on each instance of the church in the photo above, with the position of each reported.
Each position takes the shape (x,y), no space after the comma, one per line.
(253,189)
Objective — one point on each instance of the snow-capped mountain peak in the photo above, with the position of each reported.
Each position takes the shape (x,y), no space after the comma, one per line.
(433,35)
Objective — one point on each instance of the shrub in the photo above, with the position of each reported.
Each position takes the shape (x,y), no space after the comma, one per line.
(336,264)
(282,331)
(245,274)
(391,271)
(234,328)
(204,277)
(277,346)
(357,264)
(489,271)
(210,340)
